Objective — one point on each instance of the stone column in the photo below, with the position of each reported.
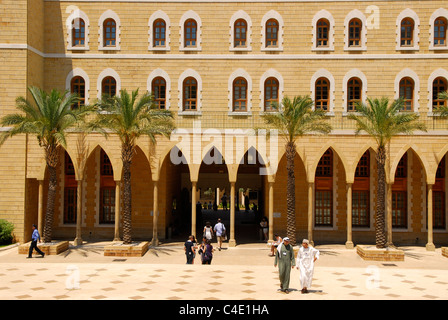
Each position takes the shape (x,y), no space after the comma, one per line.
(349,243)
(193,208)
(78,239)
(232,242)
(310,212)
(155,217)
(40,208)
(430,245)
(117,210)
(271,211)
(389,214)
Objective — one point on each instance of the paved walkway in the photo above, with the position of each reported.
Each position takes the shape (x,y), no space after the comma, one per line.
(244,272)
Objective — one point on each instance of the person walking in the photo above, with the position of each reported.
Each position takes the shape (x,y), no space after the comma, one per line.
(220,231)
(34,238)
(224,201)
(286,261)
(208,231)
(206,252)
(189,249)
(306,257)
(264,228)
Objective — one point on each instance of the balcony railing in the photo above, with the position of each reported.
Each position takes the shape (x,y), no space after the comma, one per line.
(221,120)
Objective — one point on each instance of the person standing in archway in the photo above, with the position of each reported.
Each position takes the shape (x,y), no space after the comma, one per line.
(220,231)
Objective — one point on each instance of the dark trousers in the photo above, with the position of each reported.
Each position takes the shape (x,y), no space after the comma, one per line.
(190,257)
(34,246)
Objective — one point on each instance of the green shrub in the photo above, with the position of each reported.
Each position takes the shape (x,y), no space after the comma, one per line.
(6,229)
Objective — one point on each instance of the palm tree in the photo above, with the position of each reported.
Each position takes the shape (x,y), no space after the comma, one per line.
(294,119)
(129,118)
(442,110)
(383,121)
(50,117)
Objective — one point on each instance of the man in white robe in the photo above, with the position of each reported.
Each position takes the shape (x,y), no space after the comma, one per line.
(306,257)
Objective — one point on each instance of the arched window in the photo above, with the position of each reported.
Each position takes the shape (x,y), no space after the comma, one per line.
(159,29)
(271,96)
(324,190)
(322,34)
(109,86)
(78,86)
(240,94)
(110,33)
(407,93)
(354,93)
(439,85)
(107,191)
(322,94)
(440,25)
(78,32)
(190,37)
(354,33)
(159,91)
(70,191)
(407,32)
(190,94)
(240,30)
(272,28)
(399,195)
(361,193)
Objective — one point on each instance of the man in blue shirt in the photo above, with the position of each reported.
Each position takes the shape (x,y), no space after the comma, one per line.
(220,231)
(34,238)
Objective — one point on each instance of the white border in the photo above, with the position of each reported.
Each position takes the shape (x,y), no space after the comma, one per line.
(68,24)
(240,14)
(277,16)
(352,15)
(358,74)
(107,73)
(441,12)
(190,15)
(78,72)
(189,73)
(271,73)
(237,74)
(407,13)
(159,14)
(323,14)
(408,73)
(161,73)
(324,73)
(109,14)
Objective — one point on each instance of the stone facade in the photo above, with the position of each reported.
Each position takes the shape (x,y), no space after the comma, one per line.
(36,48)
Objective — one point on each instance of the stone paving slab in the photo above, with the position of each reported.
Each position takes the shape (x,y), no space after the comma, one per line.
(241,273)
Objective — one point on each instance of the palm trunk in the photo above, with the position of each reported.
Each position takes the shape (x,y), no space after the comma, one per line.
(126,155)
(51,157)
(380,231)
(290,193)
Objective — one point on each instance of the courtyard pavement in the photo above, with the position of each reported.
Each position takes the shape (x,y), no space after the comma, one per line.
(245,272)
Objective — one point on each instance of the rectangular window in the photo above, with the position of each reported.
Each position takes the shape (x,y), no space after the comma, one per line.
(70,196)
(107,205)
(399,209)
(360,209)
(324,208)
(438,210)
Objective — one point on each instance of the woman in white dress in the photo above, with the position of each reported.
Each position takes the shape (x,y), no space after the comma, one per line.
(306,257)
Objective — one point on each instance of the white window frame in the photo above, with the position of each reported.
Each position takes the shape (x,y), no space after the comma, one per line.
(351,74)
(240,73)
(352,15)
(323,14)
(443,73)
(109,72)
(408,73)
(109,14)
(277,16)
(78,72)
(240,14)
(324,73)
(156,74)
(439,13)
(69,26)
(155,16)
(186,74)
(271,73)
(407,13)
(190,15)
